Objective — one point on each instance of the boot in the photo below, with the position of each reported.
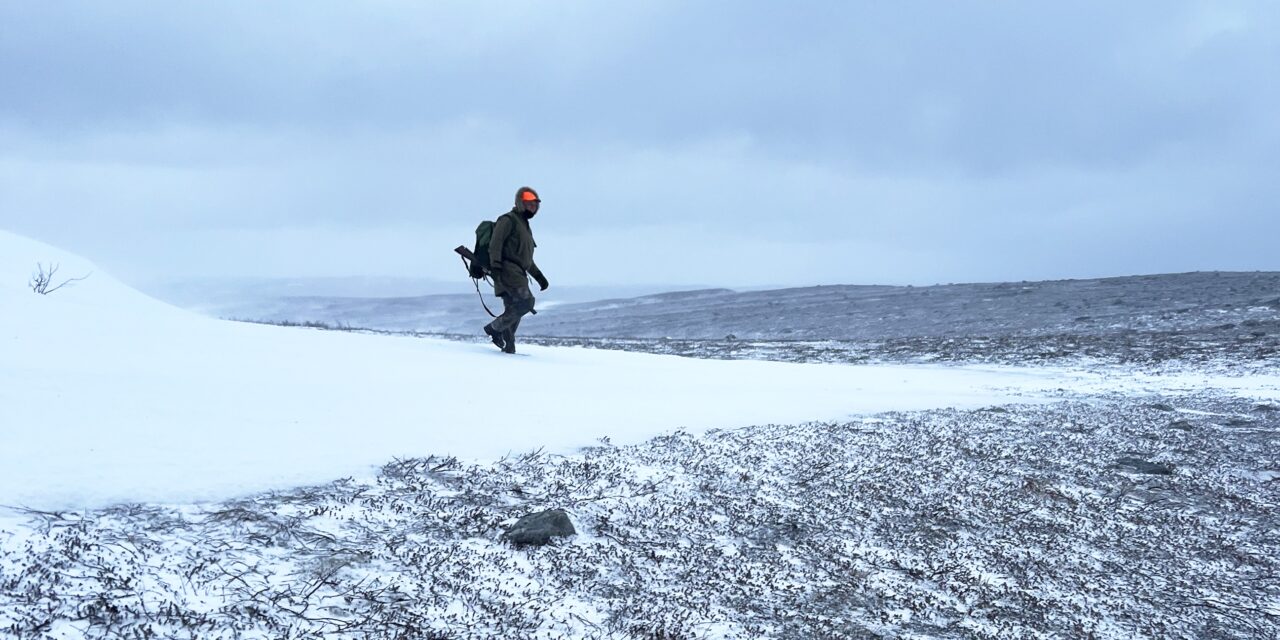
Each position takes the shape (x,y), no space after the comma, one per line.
(496,337)
(509,337)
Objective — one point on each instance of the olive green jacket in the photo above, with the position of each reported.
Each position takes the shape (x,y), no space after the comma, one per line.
(511,253)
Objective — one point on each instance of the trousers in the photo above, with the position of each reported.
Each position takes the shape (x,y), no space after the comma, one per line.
(516,303)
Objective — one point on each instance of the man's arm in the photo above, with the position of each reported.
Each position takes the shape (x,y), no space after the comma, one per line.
(537,275)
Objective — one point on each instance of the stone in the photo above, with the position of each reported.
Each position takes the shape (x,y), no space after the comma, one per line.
(1142,466)
(539,528)
(1238,422)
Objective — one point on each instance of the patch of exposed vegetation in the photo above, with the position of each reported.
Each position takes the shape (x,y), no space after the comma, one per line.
(1107,517)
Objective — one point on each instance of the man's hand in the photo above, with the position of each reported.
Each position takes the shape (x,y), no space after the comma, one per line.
(542,281)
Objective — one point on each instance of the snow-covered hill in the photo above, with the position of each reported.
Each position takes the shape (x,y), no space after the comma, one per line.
(107,395)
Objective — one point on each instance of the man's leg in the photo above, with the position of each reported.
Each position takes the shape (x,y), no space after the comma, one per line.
(491,330)
(516,303)
(509,337)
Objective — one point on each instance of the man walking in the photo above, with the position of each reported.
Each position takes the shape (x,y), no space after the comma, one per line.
(510,265)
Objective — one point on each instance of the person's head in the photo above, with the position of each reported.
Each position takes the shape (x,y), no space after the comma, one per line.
(527,201)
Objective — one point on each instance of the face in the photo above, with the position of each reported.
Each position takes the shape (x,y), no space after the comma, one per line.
(531,207)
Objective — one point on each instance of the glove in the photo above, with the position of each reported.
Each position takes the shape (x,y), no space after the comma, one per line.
(542,281)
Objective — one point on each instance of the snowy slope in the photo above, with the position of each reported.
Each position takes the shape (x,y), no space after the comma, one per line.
(107,395)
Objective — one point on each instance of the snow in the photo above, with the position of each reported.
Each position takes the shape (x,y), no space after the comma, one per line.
(109,396)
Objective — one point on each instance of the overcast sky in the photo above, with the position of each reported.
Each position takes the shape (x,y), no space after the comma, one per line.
(687,142)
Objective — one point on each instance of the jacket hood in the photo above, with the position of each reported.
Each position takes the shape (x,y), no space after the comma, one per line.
(519,200)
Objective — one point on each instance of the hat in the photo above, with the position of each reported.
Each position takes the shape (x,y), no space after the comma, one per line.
(527,194)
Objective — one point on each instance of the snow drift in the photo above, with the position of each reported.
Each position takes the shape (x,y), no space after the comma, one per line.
(107,395)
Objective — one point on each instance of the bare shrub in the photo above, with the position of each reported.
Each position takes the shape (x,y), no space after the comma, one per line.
(42,280)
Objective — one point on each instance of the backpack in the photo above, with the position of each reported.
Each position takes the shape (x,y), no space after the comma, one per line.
(480,258)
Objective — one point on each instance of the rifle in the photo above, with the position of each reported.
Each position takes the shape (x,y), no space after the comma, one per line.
(468,260)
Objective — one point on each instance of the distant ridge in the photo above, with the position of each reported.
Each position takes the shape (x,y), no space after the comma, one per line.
(1158,302)
(873,312)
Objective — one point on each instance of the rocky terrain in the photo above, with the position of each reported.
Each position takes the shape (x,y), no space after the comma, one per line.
(1107,518)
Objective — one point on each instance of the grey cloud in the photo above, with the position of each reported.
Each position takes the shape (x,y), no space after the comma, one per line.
(927,140)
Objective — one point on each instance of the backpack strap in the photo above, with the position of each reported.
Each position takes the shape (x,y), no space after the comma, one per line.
(463,252)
